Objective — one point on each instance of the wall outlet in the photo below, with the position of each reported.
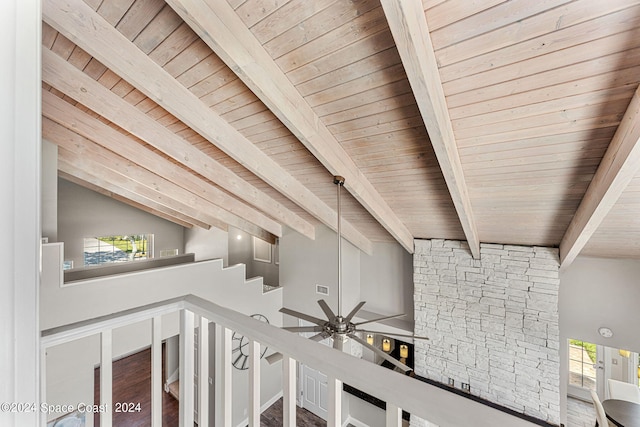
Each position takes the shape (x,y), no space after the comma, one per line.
(466,387)
(452,382)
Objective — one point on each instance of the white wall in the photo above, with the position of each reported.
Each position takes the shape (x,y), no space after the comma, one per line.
(206,244)
(597,292)
(49,181)
(85,213)
(20,87)
(386,279)
(305,263)
(241,252)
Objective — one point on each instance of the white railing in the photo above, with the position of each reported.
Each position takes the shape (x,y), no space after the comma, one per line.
(398,391)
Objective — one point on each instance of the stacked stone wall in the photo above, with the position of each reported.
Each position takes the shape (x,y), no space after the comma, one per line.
(492,322)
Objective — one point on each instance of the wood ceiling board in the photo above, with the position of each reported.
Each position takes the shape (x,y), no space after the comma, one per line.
(548,39)
(128,117)
(305,30)
(113,11)
(502,15)
(618,167)
(613,79)
(441,13)
(241,51)
(253,11)
(343,57)
(603,55)
(179,40)
(158,30)
(367,24)
(564,74)
(535,110)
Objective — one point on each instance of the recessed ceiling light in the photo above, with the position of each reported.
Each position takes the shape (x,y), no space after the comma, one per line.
(239,237)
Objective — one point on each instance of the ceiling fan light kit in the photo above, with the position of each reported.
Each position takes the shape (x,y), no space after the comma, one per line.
(338,327)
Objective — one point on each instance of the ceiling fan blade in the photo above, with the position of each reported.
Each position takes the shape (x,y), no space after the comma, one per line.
(338,343)
(320,336)
(327,311)
(379,319)
(303,316)
(391,334)
(354,311)
(380,353)
(303,328)
(273,358)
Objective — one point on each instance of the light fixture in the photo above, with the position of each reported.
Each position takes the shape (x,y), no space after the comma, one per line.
(239,237)
(404,351)
(369,339)
(624,353)
(605,332)
(386,345)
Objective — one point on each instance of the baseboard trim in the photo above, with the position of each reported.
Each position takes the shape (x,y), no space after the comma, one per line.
(268,403)
(354,422)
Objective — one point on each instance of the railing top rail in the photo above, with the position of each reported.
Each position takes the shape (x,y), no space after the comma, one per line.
(85,328)
(419,398)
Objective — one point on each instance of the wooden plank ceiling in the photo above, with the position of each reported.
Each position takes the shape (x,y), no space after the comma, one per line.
(493,121)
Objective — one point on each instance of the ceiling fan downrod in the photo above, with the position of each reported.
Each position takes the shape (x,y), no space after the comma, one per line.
(339,181)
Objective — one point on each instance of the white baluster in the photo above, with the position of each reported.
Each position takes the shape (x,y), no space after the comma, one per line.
(106,378)
(203,372)
(156,371)
(334,387)
(394,415)
(289,391)
(186,368)
(254,383)
(223,376)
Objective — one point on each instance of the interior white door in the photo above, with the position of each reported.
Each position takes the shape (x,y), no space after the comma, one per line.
(313,384)
(314,392)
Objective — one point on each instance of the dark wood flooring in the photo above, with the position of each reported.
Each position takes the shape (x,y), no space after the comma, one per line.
(272,417)
(132,383)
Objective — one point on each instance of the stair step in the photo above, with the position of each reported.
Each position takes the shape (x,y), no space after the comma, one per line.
(174,389)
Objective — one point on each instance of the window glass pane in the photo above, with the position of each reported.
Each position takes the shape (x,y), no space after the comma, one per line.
(582,372)
(120,248)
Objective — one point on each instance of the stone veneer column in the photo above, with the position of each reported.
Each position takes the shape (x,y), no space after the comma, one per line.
(492,322)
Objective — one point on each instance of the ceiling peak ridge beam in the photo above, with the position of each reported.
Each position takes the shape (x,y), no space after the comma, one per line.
(77,85)
(219,26)
(65,114)
(121,199)
(621,162)
(79,23)
(410,32)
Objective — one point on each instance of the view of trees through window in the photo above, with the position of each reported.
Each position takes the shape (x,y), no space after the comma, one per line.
(109,249)
(582,359)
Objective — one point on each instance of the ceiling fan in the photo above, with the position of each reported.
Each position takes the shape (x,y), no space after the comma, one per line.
(337,326)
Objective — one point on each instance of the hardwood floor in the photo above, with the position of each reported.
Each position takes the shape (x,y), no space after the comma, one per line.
(132,383)
(272,417)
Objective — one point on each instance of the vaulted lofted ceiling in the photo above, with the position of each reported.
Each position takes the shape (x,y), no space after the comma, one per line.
(491,121)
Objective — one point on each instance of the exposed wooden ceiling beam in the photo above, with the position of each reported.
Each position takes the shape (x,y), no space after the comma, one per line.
(219,26)
(144,182)
(77,85)
(619,165)
(112,195)
(82,25)
(93,129)
(72,164)
(408,26)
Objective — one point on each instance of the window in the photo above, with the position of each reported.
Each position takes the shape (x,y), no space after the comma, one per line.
(582,359)
(110,249)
